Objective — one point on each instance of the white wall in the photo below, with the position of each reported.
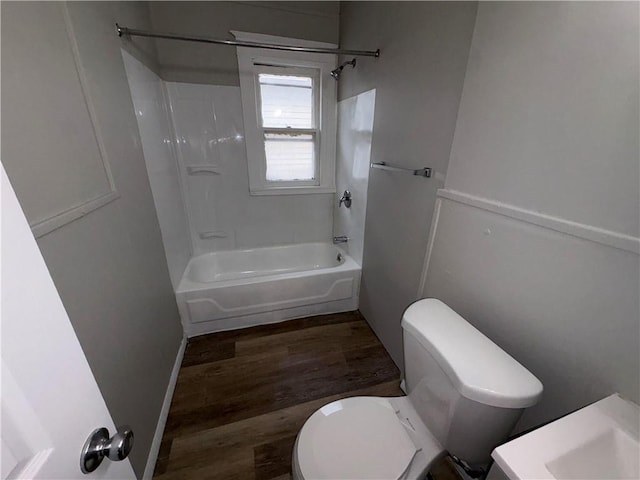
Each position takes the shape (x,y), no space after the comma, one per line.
(353,156)
(150,105)
(536,240)
(418,80)
(210,132)
(62,62)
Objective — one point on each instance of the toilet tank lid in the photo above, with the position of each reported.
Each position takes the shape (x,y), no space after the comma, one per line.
(477,367)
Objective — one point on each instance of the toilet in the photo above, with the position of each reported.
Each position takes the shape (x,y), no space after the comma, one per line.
(464,396)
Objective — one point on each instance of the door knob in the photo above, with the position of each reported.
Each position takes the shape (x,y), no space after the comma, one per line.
(99,445)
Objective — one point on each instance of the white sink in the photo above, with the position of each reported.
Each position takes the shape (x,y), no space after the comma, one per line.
(600,441)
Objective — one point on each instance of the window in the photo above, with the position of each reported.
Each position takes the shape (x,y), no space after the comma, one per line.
(289,118)
(289,106)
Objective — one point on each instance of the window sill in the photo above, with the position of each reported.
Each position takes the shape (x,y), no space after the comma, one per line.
(292,190)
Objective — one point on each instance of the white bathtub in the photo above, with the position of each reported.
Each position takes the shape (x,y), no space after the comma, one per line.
(241,288)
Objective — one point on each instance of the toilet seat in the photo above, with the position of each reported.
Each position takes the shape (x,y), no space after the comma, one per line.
(355,438)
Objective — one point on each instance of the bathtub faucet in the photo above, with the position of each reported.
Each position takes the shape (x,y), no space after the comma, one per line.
(341,239)
(346,199)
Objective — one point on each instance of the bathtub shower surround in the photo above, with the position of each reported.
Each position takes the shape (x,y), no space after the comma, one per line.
(212,156)
(241,275)
(241,288)
(253,259)
(355,131)
(149,100)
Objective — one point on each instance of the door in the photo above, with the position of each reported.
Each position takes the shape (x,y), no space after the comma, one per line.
(50,400)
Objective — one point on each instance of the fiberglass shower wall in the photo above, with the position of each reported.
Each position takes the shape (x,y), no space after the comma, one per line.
(212,155)
(193,140)
(353,157)
(149,101)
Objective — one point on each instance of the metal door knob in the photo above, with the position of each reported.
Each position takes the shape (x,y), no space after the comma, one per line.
(99,445)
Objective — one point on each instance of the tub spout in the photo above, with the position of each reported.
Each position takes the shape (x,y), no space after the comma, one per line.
(340,239)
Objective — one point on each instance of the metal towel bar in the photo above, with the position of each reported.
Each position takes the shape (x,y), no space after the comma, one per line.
(420,172)
(202,170)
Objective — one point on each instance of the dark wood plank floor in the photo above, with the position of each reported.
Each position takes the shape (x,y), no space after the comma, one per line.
(242,396)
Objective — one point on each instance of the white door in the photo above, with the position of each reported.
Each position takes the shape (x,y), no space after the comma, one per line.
(50,400)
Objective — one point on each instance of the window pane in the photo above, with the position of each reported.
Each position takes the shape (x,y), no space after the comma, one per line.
(289,157)
(287,101)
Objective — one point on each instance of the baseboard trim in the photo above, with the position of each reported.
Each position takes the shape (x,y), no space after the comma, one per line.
(403,386)
(164,413)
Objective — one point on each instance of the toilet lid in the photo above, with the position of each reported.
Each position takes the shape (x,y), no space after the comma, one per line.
(354,438)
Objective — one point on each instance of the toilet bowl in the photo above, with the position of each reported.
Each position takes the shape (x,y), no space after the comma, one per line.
(465,395)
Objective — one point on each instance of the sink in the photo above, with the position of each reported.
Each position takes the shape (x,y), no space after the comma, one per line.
(600,441)
(611,455)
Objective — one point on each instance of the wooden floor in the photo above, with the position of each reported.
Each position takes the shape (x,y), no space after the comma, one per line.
(242,396)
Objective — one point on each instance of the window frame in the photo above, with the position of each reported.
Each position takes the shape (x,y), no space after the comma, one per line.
(316,132)
(252,62)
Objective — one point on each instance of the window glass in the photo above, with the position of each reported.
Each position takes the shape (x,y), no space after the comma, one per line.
(287,101)
(289,156)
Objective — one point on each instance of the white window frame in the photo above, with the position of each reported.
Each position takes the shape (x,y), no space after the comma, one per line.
(251,62)
(316,132)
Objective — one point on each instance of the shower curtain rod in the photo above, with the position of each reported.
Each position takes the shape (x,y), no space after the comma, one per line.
(236,43)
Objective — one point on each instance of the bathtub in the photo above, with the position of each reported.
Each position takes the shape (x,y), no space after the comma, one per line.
(241,288)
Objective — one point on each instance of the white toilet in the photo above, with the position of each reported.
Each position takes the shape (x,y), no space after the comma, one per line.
(465,395)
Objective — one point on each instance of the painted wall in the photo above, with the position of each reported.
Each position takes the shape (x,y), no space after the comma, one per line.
(537,238)
(418,80)
(223,216)
(215,64)
(151,108)
(353,156)
(61,64)
(549,115)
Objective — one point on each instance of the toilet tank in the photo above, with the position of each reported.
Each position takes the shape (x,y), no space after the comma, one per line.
(468,391)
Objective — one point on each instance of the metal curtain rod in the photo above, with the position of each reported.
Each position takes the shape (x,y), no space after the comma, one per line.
(237,43)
